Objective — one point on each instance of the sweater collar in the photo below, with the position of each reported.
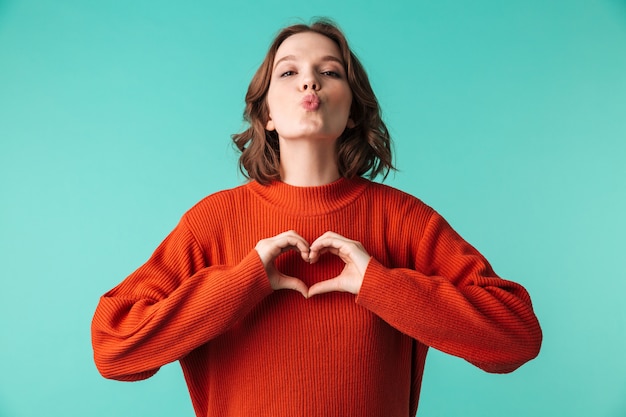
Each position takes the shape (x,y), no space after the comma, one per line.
(310,201)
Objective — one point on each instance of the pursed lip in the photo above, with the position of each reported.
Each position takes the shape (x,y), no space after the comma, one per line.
(311,102)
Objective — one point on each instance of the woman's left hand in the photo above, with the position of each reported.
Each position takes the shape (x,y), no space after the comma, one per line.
(351,252)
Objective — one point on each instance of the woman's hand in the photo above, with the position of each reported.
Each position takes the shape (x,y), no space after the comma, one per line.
(351,252)
(269,249)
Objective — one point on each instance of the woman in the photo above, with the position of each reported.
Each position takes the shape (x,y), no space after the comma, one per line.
(310,290)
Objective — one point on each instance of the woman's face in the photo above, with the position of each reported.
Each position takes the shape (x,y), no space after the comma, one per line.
(309,96)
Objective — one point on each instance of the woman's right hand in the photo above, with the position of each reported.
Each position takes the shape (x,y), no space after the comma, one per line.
(269,249)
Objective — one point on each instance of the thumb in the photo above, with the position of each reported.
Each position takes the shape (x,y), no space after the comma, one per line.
(286,282)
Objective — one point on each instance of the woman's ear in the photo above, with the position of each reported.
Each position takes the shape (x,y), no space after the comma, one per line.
(350,123)
(270,125)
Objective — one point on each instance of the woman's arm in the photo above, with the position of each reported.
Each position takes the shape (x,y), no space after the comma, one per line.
(453,301)
(171,305)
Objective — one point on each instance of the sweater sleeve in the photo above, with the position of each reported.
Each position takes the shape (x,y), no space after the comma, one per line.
(171,305)
(453,301)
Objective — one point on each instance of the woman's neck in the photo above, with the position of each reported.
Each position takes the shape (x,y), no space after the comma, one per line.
(307,164)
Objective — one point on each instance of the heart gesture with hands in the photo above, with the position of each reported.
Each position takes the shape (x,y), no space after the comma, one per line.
(351,252)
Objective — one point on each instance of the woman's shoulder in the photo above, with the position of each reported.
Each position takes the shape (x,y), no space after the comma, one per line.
(396,198)
(219,203)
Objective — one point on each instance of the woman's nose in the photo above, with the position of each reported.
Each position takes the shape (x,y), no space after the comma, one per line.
(310,82)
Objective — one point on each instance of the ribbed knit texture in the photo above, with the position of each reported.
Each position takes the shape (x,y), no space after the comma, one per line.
(203,298)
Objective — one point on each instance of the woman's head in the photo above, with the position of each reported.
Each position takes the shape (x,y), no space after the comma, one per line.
(364,148)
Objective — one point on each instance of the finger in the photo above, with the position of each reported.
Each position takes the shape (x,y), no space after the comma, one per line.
(287,282)
(290,240)
(270,248)
(331,285)
(319,247)
(315,255)
(329,239)
(304,251)
(332,244)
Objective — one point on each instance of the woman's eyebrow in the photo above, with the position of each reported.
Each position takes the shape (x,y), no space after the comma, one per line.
(332,58)
(285,58)
(325,58)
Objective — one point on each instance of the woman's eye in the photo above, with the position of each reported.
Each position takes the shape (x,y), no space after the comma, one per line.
(333,74)
(287,73)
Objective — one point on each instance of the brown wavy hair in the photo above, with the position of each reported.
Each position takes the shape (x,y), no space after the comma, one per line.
(363,150)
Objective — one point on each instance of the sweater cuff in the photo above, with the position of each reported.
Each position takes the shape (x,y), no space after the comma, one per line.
(251,266)
(377,282)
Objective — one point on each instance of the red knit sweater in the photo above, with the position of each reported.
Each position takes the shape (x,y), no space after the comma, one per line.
(204,299)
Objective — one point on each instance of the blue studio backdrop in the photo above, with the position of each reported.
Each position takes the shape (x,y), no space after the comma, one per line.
(508,117)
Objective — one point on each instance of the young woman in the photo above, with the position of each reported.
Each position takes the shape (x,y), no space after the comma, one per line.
(310,290)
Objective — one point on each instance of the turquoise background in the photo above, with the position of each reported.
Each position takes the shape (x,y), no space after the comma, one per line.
(509,117)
